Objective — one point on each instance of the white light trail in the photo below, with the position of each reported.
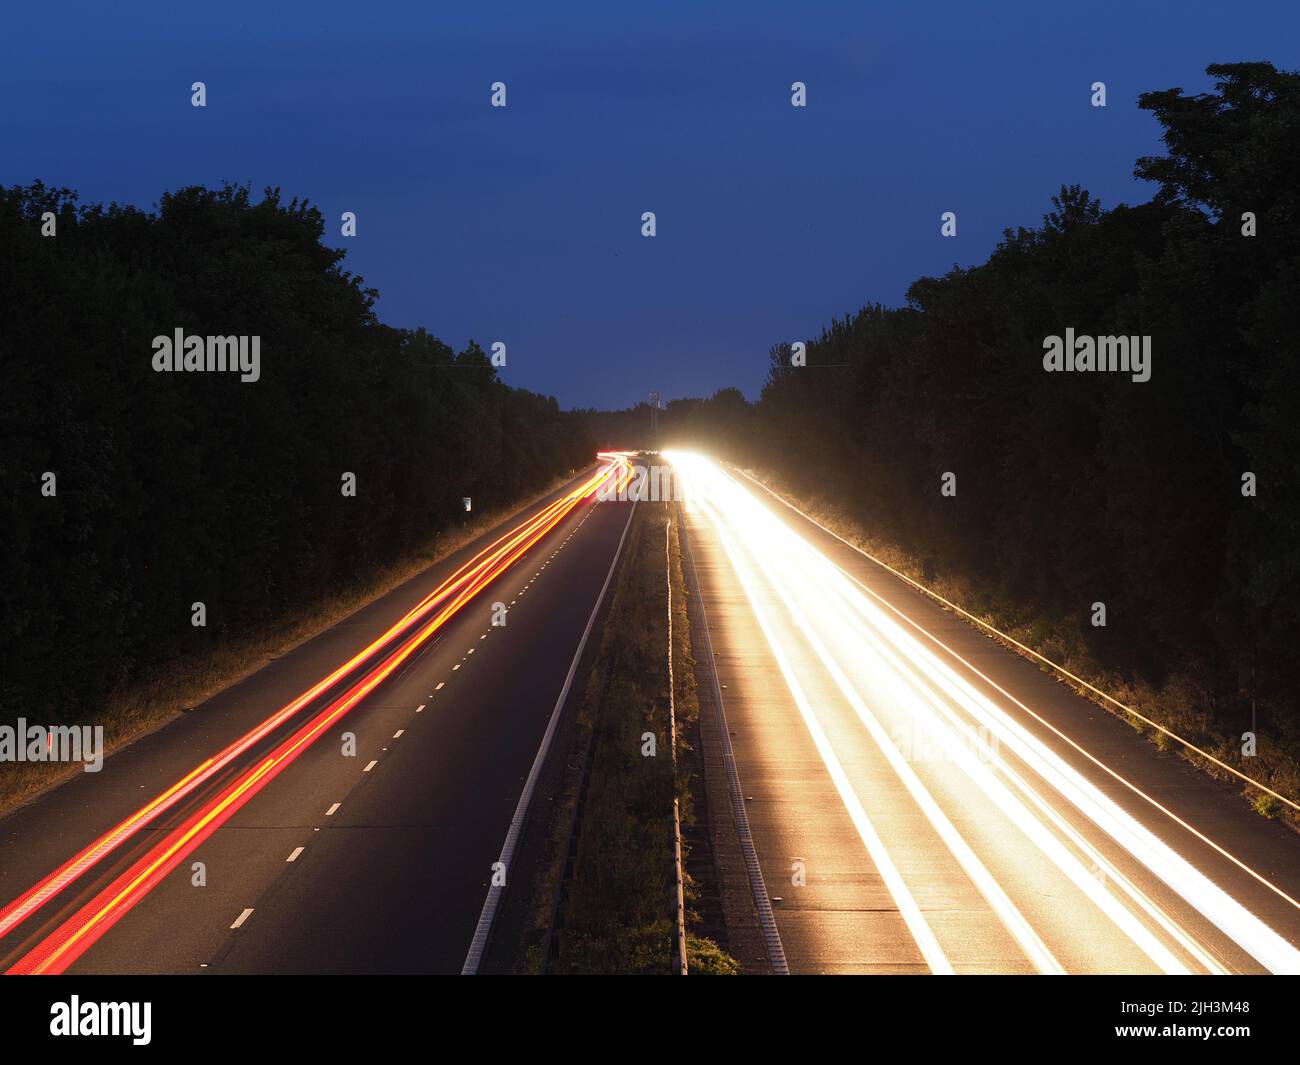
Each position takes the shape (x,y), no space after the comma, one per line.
(833,615)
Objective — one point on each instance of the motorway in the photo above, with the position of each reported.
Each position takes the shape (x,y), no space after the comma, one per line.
(920,798)
(924,800)
(251,835)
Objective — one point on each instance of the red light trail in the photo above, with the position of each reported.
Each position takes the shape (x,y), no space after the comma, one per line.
(75,935)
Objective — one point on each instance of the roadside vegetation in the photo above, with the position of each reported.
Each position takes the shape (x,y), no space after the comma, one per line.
(616,911)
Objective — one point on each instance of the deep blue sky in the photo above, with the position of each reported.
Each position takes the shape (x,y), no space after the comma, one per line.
(523,224)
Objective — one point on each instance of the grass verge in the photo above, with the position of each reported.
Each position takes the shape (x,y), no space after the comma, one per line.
(616,910)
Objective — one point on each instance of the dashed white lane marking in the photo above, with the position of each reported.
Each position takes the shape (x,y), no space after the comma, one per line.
(330,811)
(398,733)
(439,686)
(242,918)
(294,856)
(455,667)
(373,762)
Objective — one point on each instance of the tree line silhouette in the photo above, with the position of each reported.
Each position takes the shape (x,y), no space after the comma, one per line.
(1076,488)
(175,488)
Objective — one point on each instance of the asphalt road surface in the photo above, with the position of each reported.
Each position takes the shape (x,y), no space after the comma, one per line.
(921,799)
(314,859)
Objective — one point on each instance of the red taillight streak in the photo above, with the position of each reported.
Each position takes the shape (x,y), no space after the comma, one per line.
(78,933)
(478,571)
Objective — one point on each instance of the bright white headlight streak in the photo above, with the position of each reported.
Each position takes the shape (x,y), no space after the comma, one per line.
(784,546)
(974,670)
(1242,926)
(768,538)
(895,674)
(898,890)
(1012,919)
(808,573)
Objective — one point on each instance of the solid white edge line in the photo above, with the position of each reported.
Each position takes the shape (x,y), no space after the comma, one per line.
(478,944)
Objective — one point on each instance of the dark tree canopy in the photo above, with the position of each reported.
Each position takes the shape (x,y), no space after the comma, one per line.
(174,488)
(1076,488)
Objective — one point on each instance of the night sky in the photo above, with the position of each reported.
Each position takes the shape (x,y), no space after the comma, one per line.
(523,224)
